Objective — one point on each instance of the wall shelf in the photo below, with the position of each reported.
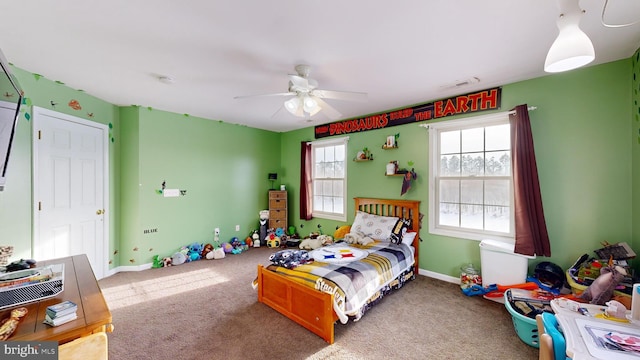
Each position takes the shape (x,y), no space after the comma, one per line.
(385,147)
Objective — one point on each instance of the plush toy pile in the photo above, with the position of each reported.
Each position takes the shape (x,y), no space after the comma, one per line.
(197,251)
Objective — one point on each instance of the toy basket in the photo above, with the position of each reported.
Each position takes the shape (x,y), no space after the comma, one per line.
(5,254)
(526,328)
(578,289)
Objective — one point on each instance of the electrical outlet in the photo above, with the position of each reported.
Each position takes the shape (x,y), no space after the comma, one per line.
(237,227)
(217,231)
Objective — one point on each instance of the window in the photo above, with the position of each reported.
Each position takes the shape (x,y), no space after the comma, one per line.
(329,179)
(471,189)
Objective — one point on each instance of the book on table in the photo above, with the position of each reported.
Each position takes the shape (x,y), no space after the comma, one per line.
(61,309)
(59,320)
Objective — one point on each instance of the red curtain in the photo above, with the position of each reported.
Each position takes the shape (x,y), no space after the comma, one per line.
(532,237)
(305,181)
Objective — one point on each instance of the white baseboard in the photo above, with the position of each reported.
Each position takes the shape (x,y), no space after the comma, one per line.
(129,268)
(439,276)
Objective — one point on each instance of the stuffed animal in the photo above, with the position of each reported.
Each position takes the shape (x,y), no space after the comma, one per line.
(273,242)
(228,248)
(357,238)
(195,249)
(217,253)
(166,261)
(318,242)
(206,250)
(178,258)
(341,232)
(157,262)
(601,290)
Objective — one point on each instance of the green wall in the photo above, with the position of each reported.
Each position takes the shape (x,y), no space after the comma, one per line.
(581,133)
(586,130)
(16,201)
(223,168)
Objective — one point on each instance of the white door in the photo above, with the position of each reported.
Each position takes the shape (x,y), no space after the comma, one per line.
(70,188)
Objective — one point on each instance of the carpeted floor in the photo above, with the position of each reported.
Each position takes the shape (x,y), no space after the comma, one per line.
(208,310)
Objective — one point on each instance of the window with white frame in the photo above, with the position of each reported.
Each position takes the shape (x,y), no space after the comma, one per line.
(330,178)
(471,188)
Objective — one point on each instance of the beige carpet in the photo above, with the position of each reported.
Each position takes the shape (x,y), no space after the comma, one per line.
(208,310)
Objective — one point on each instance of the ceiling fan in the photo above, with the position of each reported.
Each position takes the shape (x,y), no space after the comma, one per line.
(307,99)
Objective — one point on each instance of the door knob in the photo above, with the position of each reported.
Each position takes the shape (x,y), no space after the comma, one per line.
(100,212)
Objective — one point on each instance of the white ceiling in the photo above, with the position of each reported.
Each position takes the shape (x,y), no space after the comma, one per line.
(399,52)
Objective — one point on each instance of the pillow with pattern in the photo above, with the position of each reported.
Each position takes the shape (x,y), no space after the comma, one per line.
(376,227)
(399,229)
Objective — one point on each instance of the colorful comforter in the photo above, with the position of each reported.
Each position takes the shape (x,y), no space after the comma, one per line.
(357,275)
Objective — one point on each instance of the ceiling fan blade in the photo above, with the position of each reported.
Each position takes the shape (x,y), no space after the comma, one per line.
(331,112)
(265,95)
(340,95)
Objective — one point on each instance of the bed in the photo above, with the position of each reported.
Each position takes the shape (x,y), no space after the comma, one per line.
(317,310)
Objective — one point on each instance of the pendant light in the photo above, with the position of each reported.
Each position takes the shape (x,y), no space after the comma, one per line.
(572,48)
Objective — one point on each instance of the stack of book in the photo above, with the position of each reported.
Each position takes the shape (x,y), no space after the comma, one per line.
(61,313)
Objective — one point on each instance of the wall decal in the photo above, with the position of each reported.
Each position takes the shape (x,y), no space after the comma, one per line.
(37,76)
(59,82)
(53,104)
(75,105)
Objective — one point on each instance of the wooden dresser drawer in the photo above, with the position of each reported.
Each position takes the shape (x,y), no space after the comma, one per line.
(274,194)
(277,204)
(277,214)
(278,223)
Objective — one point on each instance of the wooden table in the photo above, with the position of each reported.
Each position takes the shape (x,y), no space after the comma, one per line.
(81,287)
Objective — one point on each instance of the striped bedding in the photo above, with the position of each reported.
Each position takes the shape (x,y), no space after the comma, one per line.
(357,285)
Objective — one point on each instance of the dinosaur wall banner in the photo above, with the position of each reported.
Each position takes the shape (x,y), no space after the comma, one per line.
(462,104)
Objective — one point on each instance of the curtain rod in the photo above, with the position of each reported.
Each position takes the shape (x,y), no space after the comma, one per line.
(530,108)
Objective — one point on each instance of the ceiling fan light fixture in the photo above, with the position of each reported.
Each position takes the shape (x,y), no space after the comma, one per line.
(310,105)
(292,105)
(572,48)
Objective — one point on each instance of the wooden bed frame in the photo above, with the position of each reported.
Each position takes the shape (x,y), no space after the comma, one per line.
(312,308)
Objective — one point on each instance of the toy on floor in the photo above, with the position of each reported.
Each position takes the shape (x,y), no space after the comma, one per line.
(157,262)
(273,241)
(228,248)
(217,253)
(256,238)
(166,261)
(206,249)
(178,258)
(195,249)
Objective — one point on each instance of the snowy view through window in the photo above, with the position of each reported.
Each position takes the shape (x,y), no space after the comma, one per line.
(474,183)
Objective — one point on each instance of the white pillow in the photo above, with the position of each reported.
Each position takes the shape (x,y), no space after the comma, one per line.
(408,237)
(374,226)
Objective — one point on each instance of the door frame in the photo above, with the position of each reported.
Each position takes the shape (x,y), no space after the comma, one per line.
(37,112)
